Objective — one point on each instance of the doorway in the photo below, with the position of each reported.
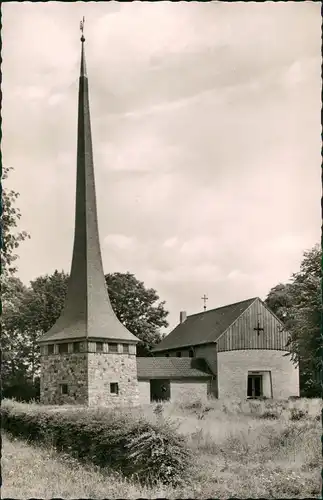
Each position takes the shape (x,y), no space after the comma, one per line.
(159,390)
(255,386)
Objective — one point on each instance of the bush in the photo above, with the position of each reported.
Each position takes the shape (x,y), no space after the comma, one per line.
(298,414)
(22,390)
(158,456)
(122,441)
(270,415)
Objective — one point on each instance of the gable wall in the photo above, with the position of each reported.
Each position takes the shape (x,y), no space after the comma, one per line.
(241,334)
(233,368)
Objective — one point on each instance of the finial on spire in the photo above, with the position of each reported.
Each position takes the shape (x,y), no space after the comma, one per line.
(83,65)
(82,29)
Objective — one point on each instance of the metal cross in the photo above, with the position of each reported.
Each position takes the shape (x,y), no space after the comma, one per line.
(258,329)
(204,298)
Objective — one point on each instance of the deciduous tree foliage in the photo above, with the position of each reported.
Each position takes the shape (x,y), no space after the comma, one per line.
(32,311)
(10,237)
(13,365)
(299,305)
(137,308)
(12,289)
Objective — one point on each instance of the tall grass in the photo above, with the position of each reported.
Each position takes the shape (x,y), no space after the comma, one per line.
(244,449)
(121,440)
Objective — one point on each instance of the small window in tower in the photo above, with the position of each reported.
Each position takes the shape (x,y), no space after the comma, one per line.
(179,354)
(114,388)
(50,348)
(126,348)
(99,347)
(64,389)
(76,346)
(113,347)
(191,353)
(62,348)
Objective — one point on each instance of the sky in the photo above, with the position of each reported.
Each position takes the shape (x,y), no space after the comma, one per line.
(206,136)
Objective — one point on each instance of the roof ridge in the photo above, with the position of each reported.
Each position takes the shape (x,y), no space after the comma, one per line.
(222,307)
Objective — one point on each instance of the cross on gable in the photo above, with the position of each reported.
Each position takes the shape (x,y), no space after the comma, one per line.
(258,329)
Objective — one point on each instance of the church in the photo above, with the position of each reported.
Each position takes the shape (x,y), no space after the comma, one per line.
(243,347)
(88,357)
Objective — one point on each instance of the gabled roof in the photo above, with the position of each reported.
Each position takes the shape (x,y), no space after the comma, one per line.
(172,368)
(204,327)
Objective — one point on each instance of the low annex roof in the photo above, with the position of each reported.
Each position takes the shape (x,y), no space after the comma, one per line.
(172,368)
(204,327)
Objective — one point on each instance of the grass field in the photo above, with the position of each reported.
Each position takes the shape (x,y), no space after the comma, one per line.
(244,450)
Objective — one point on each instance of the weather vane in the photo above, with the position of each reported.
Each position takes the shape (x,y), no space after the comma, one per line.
(82,29)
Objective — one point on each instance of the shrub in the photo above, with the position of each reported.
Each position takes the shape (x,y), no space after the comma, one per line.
(159,456)
(122,441)
(270,415)
(22,390)
(298,414)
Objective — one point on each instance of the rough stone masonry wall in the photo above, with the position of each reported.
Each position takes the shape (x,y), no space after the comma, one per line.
(233,367)
(70,369)
(104,369)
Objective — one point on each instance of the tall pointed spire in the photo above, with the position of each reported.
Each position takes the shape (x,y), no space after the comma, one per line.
(88,311)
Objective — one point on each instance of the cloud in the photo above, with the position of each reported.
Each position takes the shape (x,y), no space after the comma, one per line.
(119,241)
(171,242)
(206,135)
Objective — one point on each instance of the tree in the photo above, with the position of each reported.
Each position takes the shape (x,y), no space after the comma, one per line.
(11,342)
(10,238)
(280,300)
(18,379)
(12,289)
(44,303)
(299,305)
(135,306)
(36,308)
